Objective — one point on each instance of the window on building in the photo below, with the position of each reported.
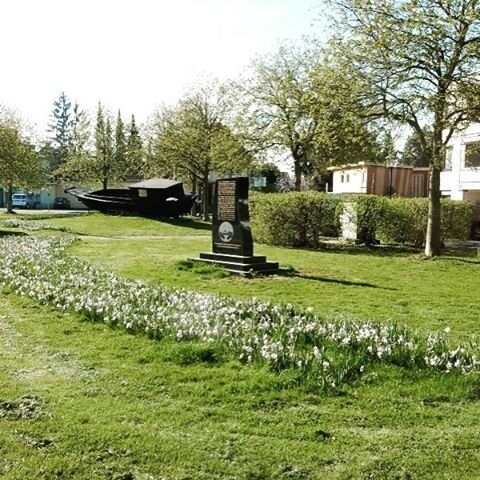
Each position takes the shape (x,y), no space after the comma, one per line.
(347,178)
(472,154)
(448,158)
(342,178)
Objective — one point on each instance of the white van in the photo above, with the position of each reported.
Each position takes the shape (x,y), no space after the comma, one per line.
(25,200)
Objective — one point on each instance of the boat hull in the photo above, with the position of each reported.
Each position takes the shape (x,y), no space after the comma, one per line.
(122,202)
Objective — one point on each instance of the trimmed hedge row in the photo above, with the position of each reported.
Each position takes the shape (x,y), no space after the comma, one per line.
(404,220)
(294,219)
(299,219)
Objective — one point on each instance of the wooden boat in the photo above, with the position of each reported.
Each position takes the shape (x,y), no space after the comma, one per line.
(157,197)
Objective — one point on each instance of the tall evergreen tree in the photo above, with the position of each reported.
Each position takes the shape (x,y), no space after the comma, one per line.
(414,153)
(135,154)
(103,165)
(100,133)
(79,131)
(120,150)
(108,156)
(388,153)
(60,127)
(98,165)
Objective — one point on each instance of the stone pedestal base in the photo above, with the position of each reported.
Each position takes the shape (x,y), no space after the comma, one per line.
(240,264)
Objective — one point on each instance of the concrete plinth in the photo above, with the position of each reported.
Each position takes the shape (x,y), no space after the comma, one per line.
(239,264)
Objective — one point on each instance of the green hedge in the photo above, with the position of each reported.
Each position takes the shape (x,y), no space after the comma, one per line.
(295,219)
(299,219)
(404,220)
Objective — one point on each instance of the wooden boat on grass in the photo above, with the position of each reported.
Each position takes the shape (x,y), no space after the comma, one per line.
(157,197)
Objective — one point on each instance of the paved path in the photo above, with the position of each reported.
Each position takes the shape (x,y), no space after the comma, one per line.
(26,211)
(142,237)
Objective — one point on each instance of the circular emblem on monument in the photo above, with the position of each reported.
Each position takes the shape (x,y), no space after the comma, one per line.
(225,232)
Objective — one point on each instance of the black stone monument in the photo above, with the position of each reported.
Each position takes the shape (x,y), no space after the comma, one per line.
(232,243)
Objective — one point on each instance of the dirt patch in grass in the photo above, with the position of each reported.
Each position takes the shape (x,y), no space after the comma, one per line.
(26,407)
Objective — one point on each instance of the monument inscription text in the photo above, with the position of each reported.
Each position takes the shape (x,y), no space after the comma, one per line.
(227,199)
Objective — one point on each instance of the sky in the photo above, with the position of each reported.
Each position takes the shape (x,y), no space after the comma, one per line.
(134,55)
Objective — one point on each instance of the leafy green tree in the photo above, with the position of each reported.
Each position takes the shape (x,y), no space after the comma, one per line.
(46,153)
(295,102)
(273,106)
(20,165)
(344,133)
(156,164)
(193,140)
(135,154)
(418,62)
(414,153)
(271,173)
(60,127)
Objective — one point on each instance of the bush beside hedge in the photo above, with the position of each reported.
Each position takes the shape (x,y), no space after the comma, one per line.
(299,219)
(404,220)
(295,219)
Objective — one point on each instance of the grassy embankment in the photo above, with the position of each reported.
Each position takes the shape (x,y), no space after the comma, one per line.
(99,403)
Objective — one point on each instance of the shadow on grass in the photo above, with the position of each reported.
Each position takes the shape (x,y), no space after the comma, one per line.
(455,258)
(292,273)
(375,250)
(341,282)
(460,253)
(189,222)
(10,233)
(201,268)
(359,249)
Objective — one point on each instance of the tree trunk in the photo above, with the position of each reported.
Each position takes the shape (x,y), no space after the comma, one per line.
(105,183)
(298,174)
(205,202)
(195,208)
(433,239)
(9,197)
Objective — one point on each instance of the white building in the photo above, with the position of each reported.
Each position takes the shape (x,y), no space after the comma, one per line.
(370,178)
(460,178)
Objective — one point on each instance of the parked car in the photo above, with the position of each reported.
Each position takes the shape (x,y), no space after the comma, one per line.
(25,200)
(61,203)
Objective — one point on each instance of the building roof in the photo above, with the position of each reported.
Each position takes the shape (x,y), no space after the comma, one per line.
(353,166)
(350,166)
(156,183)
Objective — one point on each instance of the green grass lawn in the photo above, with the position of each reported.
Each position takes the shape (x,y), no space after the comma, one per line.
(84,401)
(365,283)
(97,224)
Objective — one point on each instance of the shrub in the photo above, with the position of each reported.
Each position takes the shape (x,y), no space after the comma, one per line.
(456,219)
(299,219)
(296,219)
(369,211)
(404,220)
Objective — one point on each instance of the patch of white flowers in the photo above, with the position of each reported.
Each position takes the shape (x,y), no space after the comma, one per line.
(279,335)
